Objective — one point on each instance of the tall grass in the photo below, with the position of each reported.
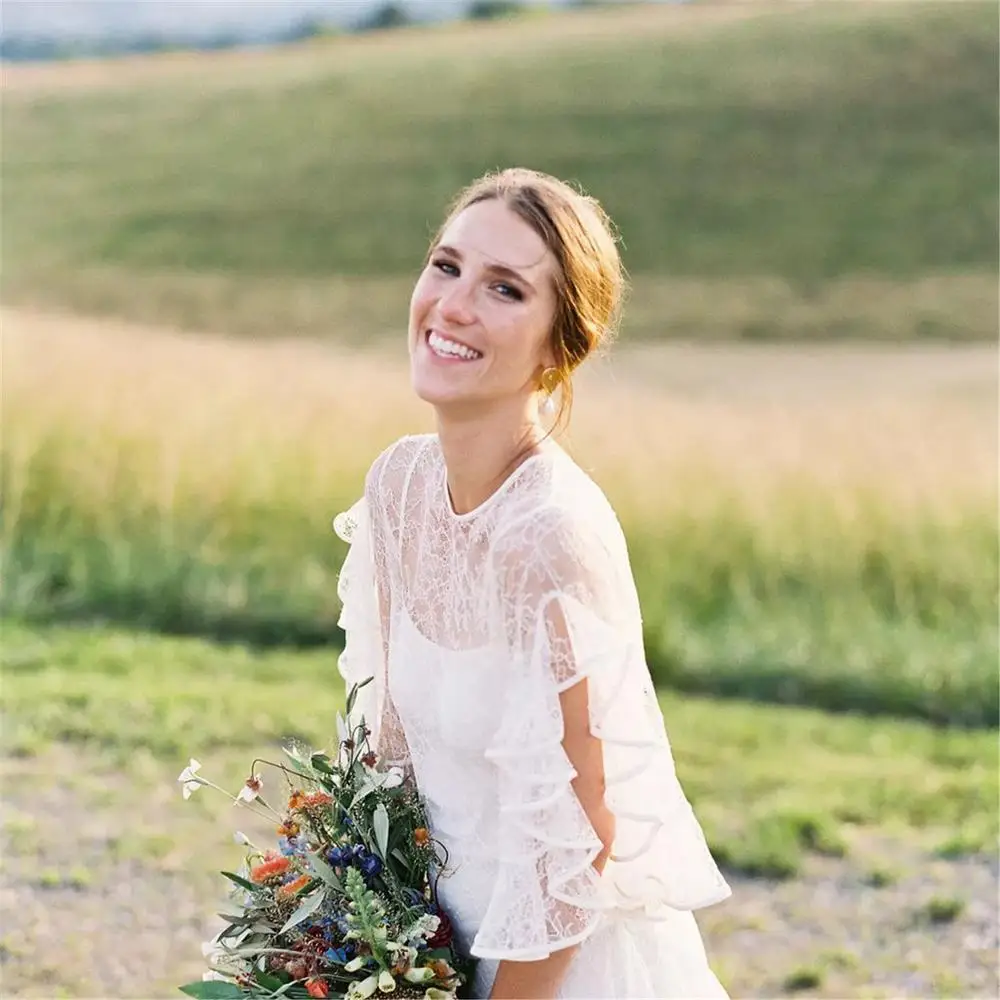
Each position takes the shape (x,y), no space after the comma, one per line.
(840,552)
(777,171)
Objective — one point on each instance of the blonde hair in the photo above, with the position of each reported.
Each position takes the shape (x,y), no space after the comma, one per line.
(590,279)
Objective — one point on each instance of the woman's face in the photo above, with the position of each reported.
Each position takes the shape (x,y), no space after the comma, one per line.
(482,311)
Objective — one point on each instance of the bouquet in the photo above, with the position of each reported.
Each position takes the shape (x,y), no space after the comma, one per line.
(346,905)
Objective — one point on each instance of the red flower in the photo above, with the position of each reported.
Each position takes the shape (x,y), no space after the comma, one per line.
(291,888)
(316,799)
(317,988)
(369,759)
(443,935)
(268,869)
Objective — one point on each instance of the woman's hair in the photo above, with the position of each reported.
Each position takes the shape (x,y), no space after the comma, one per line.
(590,281)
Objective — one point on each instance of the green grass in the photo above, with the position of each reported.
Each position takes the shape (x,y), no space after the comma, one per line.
(848,559)
(760,163)
(144,702)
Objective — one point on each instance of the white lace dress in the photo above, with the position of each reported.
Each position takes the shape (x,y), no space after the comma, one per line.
(472,625)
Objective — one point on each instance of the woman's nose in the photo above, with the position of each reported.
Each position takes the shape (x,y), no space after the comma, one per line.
(456,302)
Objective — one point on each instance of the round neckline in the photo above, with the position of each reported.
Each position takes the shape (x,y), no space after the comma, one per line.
(546,447)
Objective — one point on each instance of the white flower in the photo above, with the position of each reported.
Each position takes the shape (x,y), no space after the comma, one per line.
(435,994)
(241,838)
(386,983)
(251,789)
(189,778)
(420,975)
(402,954)
(363,989)
(355,963)
(390,778)
(423,928)
(213,977)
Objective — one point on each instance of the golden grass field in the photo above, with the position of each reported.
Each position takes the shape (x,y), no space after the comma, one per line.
(823,451)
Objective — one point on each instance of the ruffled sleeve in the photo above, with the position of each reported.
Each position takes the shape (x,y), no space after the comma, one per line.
(364,591)
(570,615)
(362,657)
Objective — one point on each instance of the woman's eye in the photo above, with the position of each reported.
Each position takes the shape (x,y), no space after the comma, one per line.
(509,291)
(446,267)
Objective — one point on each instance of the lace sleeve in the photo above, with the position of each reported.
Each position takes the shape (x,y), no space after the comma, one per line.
(364,592)
(569,613)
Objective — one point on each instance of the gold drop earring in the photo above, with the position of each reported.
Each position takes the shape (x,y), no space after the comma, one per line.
(550,382)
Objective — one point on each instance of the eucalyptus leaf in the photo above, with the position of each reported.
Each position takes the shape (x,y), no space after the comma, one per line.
(322,870)
(268,981)
(241,882)
(321,763)
(306,909)
(353,695)
(214,989)
(365,791)
(298,765)
(380,822)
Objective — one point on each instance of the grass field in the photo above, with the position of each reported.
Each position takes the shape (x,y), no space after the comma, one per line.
(778,171)
(831,542)
(876,881)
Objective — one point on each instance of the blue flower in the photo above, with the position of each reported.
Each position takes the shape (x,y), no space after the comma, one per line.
(336,956)
(336,857)
(287,845)
(370,865)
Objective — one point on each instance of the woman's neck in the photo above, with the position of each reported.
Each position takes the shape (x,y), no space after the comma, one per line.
(480,453)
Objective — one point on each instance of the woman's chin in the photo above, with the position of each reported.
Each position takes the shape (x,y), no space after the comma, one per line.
(434,393)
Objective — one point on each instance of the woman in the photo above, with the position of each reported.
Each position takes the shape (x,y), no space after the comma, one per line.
(488,589)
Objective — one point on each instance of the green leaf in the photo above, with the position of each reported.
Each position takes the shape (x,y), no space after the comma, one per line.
(321,762)
(298,765)
(353,696)
(366,790)
(213,990)
(306,909)
(380,822)
(321,869)
(241,882)
(268,981)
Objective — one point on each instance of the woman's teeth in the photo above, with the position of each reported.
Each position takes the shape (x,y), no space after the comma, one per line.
(449,349)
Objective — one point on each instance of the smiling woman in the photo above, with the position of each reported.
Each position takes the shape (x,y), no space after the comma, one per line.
(487,567)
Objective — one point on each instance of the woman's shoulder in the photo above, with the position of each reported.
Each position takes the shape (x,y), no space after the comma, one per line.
(392,465)
(561,509)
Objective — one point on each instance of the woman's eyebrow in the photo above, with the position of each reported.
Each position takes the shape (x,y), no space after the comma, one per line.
(500,270)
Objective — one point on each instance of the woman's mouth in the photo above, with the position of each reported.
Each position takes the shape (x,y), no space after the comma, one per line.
(449,350)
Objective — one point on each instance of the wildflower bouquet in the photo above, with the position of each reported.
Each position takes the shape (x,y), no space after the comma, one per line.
(346,906)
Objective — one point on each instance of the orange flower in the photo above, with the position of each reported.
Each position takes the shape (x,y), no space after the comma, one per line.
(317,799)
(268,869)
(289,828)
(291,888)
(442,970)
(421,837)
(296,800)
(317,988)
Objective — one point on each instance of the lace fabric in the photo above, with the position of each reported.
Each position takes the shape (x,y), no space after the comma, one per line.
(473,626)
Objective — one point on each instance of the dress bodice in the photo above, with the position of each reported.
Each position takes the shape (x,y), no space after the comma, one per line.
(474,626)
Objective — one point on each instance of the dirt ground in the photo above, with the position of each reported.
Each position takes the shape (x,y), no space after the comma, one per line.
(108,889)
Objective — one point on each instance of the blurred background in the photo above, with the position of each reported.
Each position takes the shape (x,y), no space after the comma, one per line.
(213,214)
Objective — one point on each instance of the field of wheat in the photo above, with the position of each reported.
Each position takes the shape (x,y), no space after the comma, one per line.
(825,544)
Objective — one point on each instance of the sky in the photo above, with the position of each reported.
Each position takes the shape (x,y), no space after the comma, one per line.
(97,18)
